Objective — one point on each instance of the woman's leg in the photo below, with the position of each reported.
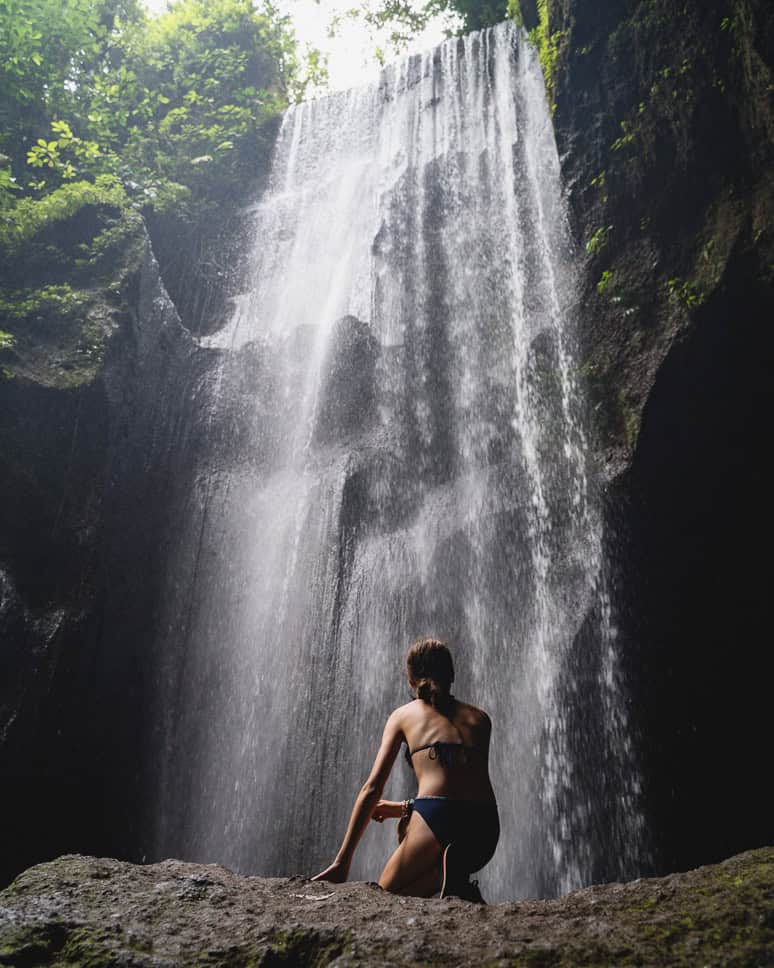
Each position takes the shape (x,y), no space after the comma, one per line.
(426,885)
(413,868)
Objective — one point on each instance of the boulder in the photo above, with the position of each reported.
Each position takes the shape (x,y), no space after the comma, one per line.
(84,910)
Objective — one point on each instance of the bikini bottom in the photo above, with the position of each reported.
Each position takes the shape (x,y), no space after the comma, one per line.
(472,826)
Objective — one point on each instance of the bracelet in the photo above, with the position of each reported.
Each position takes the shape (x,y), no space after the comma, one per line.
(405,809)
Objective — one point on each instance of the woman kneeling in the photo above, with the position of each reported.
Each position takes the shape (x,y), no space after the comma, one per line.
(451,827)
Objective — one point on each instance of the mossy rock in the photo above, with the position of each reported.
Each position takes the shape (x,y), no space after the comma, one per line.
(59,330)
(100,911)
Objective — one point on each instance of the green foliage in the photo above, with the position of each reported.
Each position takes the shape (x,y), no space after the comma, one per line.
(6,340)
(687,294)
(147,110)
(60,301)
(627,137)
(62,154)
(107,111)
(22,223)
(599,182)
(7,185)
(629,420)
(606,282)
(598,241)
(192,90)
(514,12)
(549,45)
(50,50)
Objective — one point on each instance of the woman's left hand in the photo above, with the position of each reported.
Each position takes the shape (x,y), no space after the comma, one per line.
(337,873)
(385,809)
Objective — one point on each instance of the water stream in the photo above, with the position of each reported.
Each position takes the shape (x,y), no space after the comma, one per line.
(398,448)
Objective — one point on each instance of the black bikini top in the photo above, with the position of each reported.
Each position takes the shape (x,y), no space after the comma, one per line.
(447,754)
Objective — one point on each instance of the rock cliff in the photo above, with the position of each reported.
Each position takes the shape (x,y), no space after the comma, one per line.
(664,119)
(82,450)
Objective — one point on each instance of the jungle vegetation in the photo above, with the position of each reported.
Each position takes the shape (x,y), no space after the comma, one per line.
(104,105)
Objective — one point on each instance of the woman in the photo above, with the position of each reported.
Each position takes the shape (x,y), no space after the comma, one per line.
(452,827)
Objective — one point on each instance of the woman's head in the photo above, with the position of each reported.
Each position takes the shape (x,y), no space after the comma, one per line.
(430,670)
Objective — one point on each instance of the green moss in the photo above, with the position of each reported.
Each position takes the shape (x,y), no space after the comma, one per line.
(30,216)
(85,949)
(606,283)
(539,958)
(61,351)
(33,944)
(685,292)
(76,249)
(711,248)
(628,134)
(551,45)
(599,182)
(303,946)
(58,300)
(598,241)
(630,421)
(513,11)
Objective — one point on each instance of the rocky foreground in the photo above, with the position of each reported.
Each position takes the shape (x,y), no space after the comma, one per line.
(93,911)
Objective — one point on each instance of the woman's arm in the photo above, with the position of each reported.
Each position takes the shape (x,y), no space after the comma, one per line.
(366,801)
(386,809)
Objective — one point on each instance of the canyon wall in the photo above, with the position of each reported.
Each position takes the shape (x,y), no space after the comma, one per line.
(663,115)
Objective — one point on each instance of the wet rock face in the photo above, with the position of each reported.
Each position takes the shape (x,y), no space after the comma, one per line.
(102,912)
(80,519)
(665,129)
(347,396)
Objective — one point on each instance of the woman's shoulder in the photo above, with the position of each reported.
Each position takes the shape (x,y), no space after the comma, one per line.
(472,715)
(407,711)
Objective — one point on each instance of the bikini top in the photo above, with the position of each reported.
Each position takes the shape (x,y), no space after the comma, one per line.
(447,754)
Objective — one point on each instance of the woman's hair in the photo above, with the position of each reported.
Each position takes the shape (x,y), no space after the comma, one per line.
(431,670)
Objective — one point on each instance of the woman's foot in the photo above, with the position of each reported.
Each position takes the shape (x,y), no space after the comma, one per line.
(472,893)
(456,881)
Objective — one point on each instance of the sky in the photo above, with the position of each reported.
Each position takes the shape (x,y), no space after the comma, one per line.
(350,53)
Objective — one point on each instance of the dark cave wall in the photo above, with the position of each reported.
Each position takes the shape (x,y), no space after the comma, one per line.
(87,479)
(53,485)
(664,122)
(701,532)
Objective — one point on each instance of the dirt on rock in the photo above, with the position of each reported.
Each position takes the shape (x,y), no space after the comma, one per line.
(86,911)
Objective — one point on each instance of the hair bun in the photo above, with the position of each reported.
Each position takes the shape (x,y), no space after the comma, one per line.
(431,672)
(433,692)
(427,689)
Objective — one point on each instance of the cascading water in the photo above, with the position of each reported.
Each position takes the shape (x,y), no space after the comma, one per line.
(396,449)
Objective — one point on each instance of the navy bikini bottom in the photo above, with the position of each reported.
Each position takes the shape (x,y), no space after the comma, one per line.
(473,827)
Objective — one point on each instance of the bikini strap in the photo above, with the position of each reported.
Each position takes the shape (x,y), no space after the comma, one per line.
(443,752)
(440,750)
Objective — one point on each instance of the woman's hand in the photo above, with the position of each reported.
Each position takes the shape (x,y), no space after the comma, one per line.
(337,873)
(385,809)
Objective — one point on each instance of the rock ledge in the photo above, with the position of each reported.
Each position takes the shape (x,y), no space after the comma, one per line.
(95,911)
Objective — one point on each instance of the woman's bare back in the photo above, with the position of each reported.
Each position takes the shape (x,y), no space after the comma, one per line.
(460,768)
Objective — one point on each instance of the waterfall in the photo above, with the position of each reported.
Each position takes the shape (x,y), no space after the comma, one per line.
(396,447)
